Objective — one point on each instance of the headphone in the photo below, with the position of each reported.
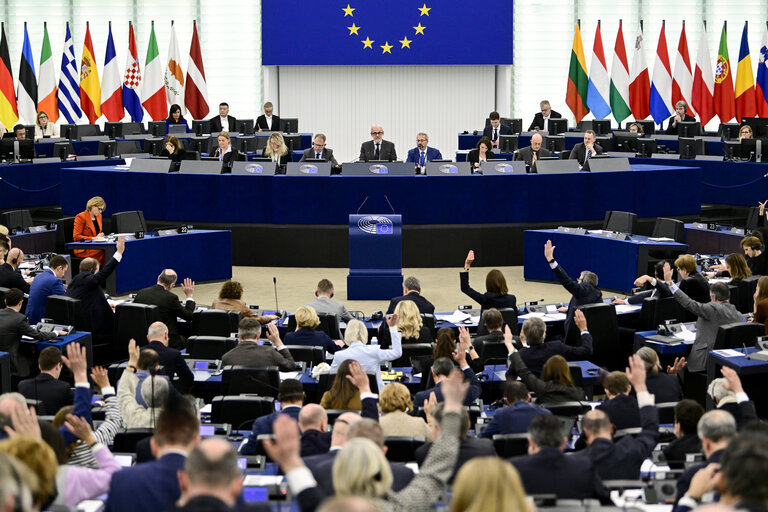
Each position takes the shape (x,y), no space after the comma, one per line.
(15,259)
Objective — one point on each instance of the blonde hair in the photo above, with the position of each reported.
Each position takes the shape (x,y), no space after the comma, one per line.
(488,484)
(361,469)
(650,360)
(686,262)
(306,317)
(408,319)
(96,201)
(39,458)
(395,397)
(762,290)
(281,150)
(356,331)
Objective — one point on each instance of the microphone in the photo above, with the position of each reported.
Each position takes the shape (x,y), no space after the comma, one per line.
(366,198)
(390,204)
(277,307)
(744,347)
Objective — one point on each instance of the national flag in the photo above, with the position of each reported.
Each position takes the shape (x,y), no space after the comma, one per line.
(174,76)
(620,79)
(9,112)
(745,83)
(725,102)
(90,88)
(46,86)
(196,88)
(69,87)
(640,82)
(682,79)
(153,88)
(27,92)
(761,91)
(576,94)
(702,97)
(599,87)
(661,86)
(132,79)
(111,88)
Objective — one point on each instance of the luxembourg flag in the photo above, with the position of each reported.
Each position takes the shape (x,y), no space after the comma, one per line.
(661,85)
(762,77)
(111,90)
(599,88)
(132,80)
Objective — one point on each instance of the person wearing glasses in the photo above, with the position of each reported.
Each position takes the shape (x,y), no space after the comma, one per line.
(88,226)
(377,148)
(44,128)
(318,151)
(541,119)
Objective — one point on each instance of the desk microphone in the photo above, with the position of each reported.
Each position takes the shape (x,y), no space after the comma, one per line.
(277,308)
(366,198)
(390,204)
(744,347)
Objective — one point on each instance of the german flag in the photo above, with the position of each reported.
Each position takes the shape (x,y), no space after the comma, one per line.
(9,112)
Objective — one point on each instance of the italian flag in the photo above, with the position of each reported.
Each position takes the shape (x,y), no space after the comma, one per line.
(46,86)
(153,88)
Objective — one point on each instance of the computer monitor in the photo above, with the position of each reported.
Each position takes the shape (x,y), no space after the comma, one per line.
(289,124)
(177,129)
(759,125)
(63,149)
(156,128)
(153,146)
(688,129)
(747,150)
(113,130)
(625,141)
(728,131)
(245,126)
(649,128)
(557,126)
(646,147)
(65,130)
(85,130)
(515,123)
(132,128)
(599,126)
(201,126)
(508,143)
(554,143)
(8,151)
(107,148)
(604,142)
(691,147)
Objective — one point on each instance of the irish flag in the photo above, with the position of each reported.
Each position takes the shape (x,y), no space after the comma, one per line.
(153,88)
(576,95)
(46,86)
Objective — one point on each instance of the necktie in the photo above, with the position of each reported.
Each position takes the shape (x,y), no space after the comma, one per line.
(376,153)
(533,157)
(589,154)
(317,156)
(421,163)
(495,134)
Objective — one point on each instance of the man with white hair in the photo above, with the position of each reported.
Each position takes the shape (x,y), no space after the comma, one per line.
(729,395)
(377,148)
(171,360)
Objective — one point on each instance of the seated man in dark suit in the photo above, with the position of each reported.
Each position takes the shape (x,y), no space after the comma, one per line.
(412,291)
(318,151)
(268,122)
(687,415)
(47,387)
(377,148)
(250,351)
(168,305)
(541,119)
(619,405)
(87,288)
(530,154)
(313,423)
(10,276)
(493,321)
(538,352)
(622,460)
(291,398)
(547,470)
(46,284)
(495,128)
(155,485)
(680,115)
(587,149)
(423,153)
(223,122)
(170,359)
(583,291)
(441,370)
(515,417)
(469,447)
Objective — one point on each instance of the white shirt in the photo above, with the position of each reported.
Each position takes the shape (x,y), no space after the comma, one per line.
(269,122)
(221,155)
(224,123)
(546,121)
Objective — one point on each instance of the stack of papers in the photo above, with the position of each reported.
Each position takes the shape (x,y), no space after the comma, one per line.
(458,317)
(553,317)
(262,480)
(728,352)
(627,308)
(686,335)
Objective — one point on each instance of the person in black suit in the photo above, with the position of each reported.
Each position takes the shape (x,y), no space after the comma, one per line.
(441,370)
(377,148)
(587,149)
(518,413)
(493,322)
(291,397)
(47,387)
(87,288)
(212,481)
(495,128)
(496,293)
(170,359)
(14,325)
(318,151)
(481,153)
(547,470)
(226,154)
(223,122)
(10,277)
(172,149)
(665,387)
(530,154)
(621,407)
(537,353)
(583,291)
(622,460)
(541,119)
(469,447)
(687,415)
(693,283)
(268,122)
(412,291)
(168,305)
(680,115)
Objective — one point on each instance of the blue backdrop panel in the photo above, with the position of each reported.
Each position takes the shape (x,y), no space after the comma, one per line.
(375,257)
(396,32)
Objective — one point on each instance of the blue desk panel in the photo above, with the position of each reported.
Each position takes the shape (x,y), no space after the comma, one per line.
(705,241)
(81,148)
(84,338)
(419,199)
(617,263)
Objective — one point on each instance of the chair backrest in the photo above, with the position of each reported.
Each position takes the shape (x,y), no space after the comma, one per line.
(3,291)
(428,320)
(16,219)
(510,445)
(329,324)
(576,375)
(209,347)
(240,411)
(132,320)
(604,328)
(655,311)
(129,221)
(215,322)
(243,379)
(746,289)
(402,448)
(669,228)
(333,414)
(492,350)
(412,350)
(738,335)
(311,355)
(753,218)
(622,222)
(510,319)
(125,440)
(68,311)
(325,381)
(666,412)
(65,227)
(569,409)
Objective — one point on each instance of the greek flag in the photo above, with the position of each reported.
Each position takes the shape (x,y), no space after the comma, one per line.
(69,83)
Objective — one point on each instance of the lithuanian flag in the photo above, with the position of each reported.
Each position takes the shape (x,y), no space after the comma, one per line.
(578,82)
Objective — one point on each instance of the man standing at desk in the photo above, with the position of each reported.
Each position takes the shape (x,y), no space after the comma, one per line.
(493,130)
(168,305)
(587,149)
(46,284)
(10,276)
(422,153)
(530,154)
(377,148)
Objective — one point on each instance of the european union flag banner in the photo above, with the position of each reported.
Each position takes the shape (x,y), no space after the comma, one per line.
(397,32)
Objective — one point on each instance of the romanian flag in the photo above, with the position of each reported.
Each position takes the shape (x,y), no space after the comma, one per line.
(576,95)
(9,112)
(725,104)
(745,83)
(90,88)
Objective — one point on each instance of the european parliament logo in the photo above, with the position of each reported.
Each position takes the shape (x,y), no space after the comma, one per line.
(308,169)
(449,169)
(254,168)
(504,168)
(375,225)
(379,169)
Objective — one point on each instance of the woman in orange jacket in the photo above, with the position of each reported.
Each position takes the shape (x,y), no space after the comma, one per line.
(88,226)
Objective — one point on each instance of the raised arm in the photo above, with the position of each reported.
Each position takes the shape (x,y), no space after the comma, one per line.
(684,300)
(396,350)
(283,357)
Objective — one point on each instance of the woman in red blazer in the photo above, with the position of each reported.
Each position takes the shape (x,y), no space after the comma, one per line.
(88,226)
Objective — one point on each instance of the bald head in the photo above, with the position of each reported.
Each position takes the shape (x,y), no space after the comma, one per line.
(367,428)
(89,265)
(313,417)
(596,424)
(158,332)
(15,257)
(536,141)
(341,426)
(211,470)
(167,278)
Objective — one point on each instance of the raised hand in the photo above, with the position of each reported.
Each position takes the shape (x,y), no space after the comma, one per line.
(733,380)
(99,376)
(668,272)
(188,287)
(549,250)
(285,449)
(469,259)
(677,366)
(358,377)
(76,361)
(636,373)
(392,320)
(454,389)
